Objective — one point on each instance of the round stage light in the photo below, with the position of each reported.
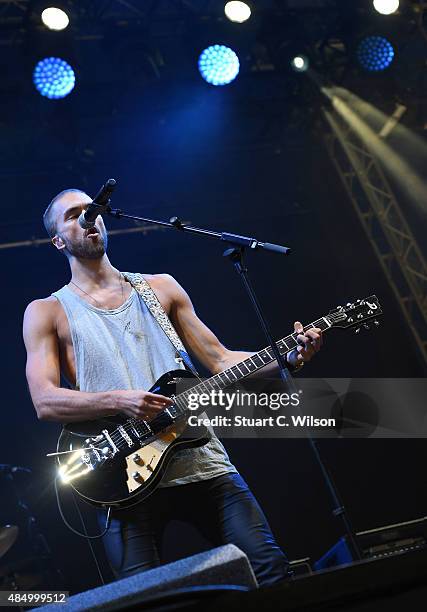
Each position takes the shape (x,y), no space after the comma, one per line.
(55,19)
(218,65)
(53,78)
(237,11)
(386,7)
(375,53)
(300,63)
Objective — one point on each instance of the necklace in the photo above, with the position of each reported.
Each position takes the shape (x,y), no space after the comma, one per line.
(95,300)
(127,325)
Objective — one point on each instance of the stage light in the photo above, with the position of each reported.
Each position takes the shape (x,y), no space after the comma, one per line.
(55,19)
(218,65)
(53,78)
(300,63)
(375,53)
(386,7)
(237,11)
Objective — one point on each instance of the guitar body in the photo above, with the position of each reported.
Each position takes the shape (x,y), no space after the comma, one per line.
(135,471)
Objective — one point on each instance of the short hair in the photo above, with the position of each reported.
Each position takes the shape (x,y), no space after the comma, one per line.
(48,218)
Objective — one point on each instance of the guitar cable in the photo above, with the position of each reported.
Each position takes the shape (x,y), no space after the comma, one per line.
(85,535)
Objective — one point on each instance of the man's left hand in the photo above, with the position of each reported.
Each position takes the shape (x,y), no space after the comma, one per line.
(309,341)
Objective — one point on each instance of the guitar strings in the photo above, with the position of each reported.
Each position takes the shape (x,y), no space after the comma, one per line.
(133,423)
(116,435)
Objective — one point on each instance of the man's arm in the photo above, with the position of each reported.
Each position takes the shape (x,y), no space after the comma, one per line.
(54,403)
(206,347)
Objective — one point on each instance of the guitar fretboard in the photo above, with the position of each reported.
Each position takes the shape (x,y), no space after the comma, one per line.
(138,428)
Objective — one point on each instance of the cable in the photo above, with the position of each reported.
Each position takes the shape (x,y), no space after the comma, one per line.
(85,534)
(90,538)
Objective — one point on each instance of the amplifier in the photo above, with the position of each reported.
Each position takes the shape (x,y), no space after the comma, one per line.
(377,543)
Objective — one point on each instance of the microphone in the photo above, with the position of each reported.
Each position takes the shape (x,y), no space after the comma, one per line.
(98,205)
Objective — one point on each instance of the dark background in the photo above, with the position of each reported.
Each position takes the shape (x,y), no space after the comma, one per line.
(248,158)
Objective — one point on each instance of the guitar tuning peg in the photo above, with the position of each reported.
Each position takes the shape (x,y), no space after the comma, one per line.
(376,323)
(357,330)
(366,326)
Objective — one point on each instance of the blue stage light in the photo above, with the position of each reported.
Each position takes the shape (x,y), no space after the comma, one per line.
(218,65)
(53,78)
(375,53)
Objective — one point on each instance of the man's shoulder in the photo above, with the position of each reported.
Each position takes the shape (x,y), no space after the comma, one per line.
(156,281)
(163,279)
(47,308)
(40,320)
(166,287)
(164,283)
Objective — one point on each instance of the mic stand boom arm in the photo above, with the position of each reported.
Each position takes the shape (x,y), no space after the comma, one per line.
(236,256)
(176,223)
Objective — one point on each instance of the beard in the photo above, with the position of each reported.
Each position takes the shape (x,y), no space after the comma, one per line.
(87,248)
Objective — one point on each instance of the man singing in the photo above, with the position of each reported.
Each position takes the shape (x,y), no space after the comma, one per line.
(98,332)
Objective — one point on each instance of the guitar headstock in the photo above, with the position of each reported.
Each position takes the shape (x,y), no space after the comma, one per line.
(360,314)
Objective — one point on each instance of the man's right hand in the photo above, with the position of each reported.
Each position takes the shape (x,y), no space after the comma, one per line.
(140,404)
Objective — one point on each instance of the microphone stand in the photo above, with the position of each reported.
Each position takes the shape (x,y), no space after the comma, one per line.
(235,255)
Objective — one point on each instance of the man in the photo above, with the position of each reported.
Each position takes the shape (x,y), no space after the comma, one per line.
(99,334)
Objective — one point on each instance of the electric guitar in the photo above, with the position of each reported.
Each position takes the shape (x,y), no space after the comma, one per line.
(118,461)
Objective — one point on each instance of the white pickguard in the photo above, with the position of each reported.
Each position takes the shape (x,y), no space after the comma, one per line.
(142,463)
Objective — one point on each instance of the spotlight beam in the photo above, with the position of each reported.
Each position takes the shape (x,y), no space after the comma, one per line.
(342,100)
(392,121)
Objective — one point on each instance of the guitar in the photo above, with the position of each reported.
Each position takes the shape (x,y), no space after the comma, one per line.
(119,461)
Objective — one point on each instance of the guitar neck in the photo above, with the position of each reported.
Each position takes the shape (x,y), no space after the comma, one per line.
(248,366)
(352,315)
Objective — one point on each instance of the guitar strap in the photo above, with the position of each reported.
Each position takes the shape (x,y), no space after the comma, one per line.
(152,302)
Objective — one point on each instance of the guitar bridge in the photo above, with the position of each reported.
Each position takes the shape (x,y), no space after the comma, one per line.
(110,441)
(126,436)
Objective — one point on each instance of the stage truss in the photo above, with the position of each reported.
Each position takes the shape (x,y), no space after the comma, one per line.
(384,223)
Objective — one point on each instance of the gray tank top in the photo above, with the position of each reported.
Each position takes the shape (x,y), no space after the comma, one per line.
(125,348)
